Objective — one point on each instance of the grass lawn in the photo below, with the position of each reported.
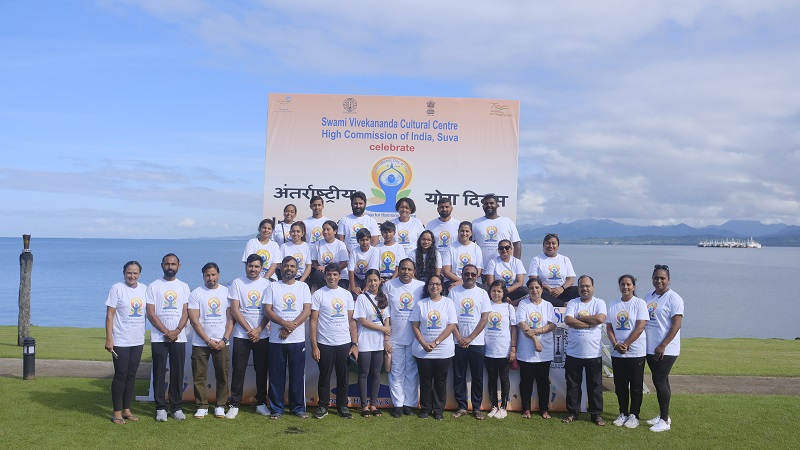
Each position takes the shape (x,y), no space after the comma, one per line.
(74,412)
(699,356)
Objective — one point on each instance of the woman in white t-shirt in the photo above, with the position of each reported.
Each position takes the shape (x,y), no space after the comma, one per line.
(433,320)
(283,229)
(125,313)
(459,255)
(299,249)
(535,321)
(263,246)
(555,271)
(372,315)
(408,228)
(426,258)
(665,308)
(328,250)
(625,322)
(509,269)
(500,336)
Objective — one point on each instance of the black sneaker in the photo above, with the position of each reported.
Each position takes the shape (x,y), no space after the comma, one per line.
(397,413)
(408,411)
(438,416)
(344,413)
(424,414)
(320,412)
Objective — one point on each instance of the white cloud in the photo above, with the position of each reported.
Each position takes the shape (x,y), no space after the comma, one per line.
(187,222)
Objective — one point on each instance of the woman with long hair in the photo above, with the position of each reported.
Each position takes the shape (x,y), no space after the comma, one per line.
(372,315)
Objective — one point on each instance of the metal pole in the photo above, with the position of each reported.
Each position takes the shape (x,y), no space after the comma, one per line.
(25,268)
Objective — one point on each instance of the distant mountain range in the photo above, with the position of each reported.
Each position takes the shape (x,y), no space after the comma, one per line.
(593,231)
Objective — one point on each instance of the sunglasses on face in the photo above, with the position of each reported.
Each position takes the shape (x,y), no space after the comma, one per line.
(469,274)
(504,247)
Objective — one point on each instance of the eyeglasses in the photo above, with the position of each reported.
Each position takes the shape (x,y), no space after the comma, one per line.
(434,284)
(469,274)
(661,266)
(504,247)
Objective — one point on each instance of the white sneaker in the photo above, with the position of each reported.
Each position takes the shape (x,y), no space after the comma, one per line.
(657,419)
(620,420)
(660,426)
(179,415)
(493,412)
(501,414)
(632,422)
(262,409)
(161,415)
(201,412)
(219,412)
(232,412)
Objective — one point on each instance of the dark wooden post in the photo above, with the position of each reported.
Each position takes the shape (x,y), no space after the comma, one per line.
(25,268)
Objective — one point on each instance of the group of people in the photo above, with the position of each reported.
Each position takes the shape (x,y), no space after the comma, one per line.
(412,301)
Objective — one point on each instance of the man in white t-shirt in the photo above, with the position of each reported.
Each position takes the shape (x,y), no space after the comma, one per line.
(333,336)
(211,320)
(490,229)
(351,223)
(444,227)
(167,300)
(287,304)
(250,335)
(585,317)
(403,293)
(472,306)
(314,223)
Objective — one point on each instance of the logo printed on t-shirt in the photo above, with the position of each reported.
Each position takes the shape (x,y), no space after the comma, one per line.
(444,238)
(534,320)
(316,233)
(387,261)
(299,258)
(170,300)
(214,307)
(651,309)
(508,277)
(582,313)
(136,307)
(327,258)
(464,259)
(253,298)
(289,302)
(467,307)
(406,302)
(495,320)
(555,271)
(434,319)
(402,237)
(361,267)
(623,321)
(491,234)
(264,254)
(337,305)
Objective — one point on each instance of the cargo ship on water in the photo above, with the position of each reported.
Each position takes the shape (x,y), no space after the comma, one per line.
(730,243)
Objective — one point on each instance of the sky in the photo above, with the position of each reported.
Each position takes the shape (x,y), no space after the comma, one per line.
(147,119)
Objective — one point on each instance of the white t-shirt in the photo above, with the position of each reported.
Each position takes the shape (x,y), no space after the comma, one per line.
(402,298)
(433,318)
(314,229)
(407,233)
(213,305)
(417,267)
(536,316)
(331,252)
(584,343)
(129,315)
(287,302)
(444,233)
(270,253)
(360,262)
(623,316)
(301,253)
(489,232)
(349,226)
(281,233)
(168,297)
(506,271)
(470,304)
(502,317)
(333,326)
(661,310)
(369,340)
(249,293)
(552,271)
(389,256)
(460,255)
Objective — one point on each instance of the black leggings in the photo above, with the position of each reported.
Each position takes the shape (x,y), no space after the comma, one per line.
(562,300)
(660,370)
(125,367)
(369,376)
(628,382)
(495,367)
(528,373)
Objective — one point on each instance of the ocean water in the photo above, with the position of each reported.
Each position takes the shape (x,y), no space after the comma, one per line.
(727,292)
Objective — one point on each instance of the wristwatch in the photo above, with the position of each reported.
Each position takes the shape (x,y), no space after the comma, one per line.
(225,340)
(435,342)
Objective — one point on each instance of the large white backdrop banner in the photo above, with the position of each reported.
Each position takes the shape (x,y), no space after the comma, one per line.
(389,148)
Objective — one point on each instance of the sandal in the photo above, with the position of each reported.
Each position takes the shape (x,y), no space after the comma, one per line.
(546,415)
(376,412)
(459,413)
(526,414)
(570,418)
(118,420)
(366,412)
(131,417)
